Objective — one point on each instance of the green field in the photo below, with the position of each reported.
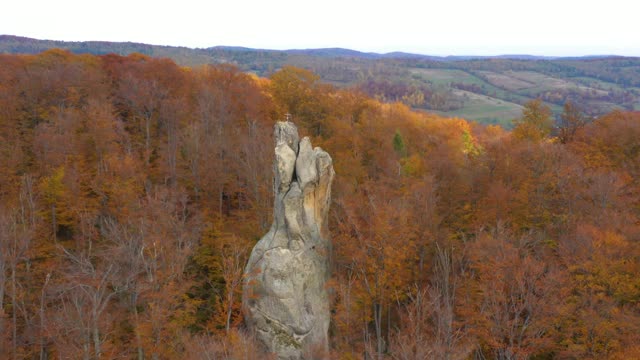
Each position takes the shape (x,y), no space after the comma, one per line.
(502,92)
(445,76)
(485,109)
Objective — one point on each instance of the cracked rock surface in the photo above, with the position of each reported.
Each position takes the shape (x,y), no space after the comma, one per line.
(284,296)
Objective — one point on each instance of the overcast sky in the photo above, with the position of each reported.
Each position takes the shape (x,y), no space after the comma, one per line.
(440,27)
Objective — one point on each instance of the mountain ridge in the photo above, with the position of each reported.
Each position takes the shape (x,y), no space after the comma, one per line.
(327,52)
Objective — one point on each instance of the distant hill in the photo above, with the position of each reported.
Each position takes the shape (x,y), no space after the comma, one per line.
(488,89)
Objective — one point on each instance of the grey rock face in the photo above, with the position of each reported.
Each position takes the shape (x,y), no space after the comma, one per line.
(284,297)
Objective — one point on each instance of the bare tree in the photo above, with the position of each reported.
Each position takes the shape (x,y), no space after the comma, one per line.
(128,253)
(236,345)
(233,261)
(6,243)
(83,298)
(429,329)
(150,253)
(16,232)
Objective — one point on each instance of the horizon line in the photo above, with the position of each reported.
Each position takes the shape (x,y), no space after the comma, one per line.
(405,52)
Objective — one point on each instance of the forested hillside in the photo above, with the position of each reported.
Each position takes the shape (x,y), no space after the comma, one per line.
(132,190)
(490,90)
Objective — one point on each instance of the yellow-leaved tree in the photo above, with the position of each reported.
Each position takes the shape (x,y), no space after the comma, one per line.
(56,212)
(536,122)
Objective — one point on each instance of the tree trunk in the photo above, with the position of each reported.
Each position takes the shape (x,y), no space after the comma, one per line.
(54,223)
(137,328)
(147,140)
(43,352)
(377,316)
(96,339)
(14,313)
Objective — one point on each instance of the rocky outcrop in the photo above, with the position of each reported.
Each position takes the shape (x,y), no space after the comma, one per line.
(284,296)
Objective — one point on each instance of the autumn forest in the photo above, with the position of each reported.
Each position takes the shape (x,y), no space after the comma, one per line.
(132,191)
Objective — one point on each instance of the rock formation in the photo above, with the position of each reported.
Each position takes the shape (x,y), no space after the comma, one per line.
(284,296)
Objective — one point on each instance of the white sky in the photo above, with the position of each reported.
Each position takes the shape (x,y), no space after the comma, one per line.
(435,27)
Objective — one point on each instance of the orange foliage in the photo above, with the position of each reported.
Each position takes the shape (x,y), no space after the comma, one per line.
(132,190)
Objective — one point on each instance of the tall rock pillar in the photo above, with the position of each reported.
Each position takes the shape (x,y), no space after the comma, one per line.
(284,296)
